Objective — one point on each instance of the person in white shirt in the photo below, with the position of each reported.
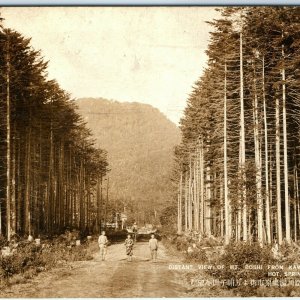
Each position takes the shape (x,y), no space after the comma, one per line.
(102,241)
(153,245)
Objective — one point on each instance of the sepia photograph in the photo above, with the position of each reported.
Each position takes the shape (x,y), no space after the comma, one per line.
(149,151)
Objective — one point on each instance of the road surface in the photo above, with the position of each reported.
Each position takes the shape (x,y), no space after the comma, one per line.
(114,277)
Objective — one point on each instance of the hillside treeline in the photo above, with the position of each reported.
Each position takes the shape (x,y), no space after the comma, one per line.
(140,141)
(50,171)
(238,162)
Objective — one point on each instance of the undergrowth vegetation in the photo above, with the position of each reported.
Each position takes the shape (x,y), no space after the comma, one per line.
(27,259)
(252,264)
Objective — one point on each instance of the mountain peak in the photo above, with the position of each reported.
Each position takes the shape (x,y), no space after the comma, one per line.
(140,142)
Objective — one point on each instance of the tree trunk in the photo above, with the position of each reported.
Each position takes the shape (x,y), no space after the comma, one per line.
(258,165)
(267,198)
(272,213)
(8,144)
(196,203)
(201,160)
(278,188)
(285,162)
(13,191)
(186,203)
(180,206)
(27,216)
(297,195)
(190,207)
(208,201)
(222,207)
(226,197)
(242,143)
(19,194)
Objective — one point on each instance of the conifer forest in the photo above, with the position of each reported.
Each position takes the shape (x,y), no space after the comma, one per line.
(50,171)
(237,167)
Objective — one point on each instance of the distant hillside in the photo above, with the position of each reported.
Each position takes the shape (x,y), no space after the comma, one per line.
(140,142)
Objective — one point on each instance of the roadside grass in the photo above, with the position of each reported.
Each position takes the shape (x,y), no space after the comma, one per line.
(239,282)
(26,258)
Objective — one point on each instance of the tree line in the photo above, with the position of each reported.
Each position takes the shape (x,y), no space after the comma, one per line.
(51,174)
(237,167)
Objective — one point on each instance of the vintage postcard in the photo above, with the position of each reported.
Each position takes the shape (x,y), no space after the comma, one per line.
(149,151)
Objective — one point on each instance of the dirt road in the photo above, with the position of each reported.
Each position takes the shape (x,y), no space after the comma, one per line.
(114,277)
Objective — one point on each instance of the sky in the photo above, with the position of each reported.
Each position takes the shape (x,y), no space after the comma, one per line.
(150,55)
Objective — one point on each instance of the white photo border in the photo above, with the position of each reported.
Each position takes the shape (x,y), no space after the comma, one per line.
(148,3)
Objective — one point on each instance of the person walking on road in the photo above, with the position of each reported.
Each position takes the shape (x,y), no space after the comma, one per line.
(153,245)
(134,230)
(102,241)
(129,247)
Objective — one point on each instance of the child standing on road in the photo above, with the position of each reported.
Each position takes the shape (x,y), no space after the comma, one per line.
(153,245)
(102,241)
(129,247)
